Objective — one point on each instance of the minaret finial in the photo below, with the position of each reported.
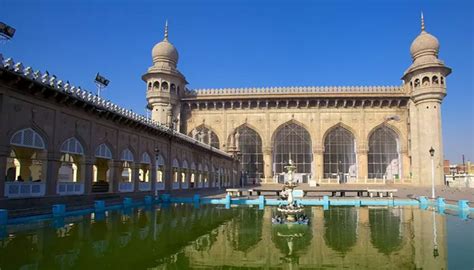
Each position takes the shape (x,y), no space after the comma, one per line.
(166,30)
(422,22)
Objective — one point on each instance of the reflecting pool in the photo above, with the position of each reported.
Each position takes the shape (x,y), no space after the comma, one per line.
(211,237)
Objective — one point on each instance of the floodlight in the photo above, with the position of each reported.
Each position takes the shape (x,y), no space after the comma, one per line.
(6,31)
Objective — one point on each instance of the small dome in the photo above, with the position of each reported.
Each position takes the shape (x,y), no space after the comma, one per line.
(424,42)
(164,51)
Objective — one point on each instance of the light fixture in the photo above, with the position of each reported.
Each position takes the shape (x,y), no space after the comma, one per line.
(101,82)
(432,151)
(6,31)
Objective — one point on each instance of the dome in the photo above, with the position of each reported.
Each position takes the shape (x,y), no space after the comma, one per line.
(164,51)
(424,42)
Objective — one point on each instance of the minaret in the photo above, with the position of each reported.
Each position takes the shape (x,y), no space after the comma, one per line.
(165,84)
(425,80)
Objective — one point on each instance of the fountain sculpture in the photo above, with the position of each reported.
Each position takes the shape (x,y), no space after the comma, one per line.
(292,211)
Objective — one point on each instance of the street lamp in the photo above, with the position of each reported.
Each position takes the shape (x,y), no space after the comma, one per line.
(432,151)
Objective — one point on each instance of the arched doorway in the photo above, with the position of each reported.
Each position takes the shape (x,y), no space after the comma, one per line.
(384,154)
(160,170)
(144,173)
(127,171)
(339,156)
(249,144)
(205,135)
(70,175)
(26,165)
(101,169)
(292,141)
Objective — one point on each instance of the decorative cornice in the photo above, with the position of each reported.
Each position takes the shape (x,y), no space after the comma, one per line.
(296,90)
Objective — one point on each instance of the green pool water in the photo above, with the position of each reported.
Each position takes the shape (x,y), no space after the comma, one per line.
(211,237)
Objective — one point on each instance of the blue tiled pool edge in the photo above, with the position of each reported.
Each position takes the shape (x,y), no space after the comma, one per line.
(59,210)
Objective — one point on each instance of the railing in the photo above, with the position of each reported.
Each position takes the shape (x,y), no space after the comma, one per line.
(126,187)
(144,186)
(21,189)
(160,186)
(70,188)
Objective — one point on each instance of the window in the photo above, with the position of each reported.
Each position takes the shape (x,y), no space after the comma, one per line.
(383,154)
(292,141)
(250,146)
(205,135)
(339,155)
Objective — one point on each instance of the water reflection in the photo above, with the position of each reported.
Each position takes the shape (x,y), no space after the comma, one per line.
(181,237)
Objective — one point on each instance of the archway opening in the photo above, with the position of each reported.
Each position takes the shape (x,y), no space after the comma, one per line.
(339,157)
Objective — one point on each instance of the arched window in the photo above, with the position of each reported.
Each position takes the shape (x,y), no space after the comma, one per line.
(156,85)
(425,81)
(149,86)
(205,135)
(72,146)
(250,146)
(292,141)
(160,168)
(417,83)
(145,158)
(442,80)
(339,155)
(164,85)
(27,138)
(127,155)
(435,80)
(103,151)
(383,154)
(173,88)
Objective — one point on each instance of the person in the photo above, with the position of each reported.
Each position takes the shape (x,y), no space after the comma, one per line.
(20,179)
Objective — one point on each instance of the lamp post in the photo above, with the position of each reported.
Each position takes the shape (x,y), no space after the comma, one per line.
(6,31)
(432,151)
(101,82)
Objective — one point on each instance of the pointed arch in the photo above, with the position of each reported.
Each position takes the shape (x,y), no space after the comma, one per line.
(145,159)
(193,166)
(339,158)
(184,164)
(249,143)
(127,155)
(72,146)
(103,151)
(175,163)
(384,153)
(292,121)
(292,140)
(342,125)
(28,138)
(205,134)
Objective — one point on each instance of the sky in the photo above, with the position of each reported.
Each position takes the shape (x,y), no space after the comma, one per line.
(249,44)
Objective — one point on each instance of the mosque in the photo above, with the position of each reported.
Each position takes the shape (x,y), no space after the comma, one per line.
(340,134)
(57,139)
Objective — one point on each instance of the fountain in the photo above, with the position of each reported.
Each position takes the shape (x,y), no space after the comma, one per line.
(292,211)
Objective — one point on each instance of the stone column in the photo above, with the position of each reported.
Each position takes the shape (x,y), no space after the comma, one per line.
(115,168)
(318,166)
(153,176)
(135,176)
(53,165)
(362,160)
(88,175)
(3,169)
(405,164)
(267,164)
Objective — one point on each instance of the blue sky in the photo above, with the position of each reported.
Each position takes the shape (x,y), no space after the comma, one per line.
(249,43)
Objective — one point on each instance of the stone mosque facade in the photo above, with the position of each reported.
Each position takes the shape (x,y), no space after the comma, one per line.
(340,134)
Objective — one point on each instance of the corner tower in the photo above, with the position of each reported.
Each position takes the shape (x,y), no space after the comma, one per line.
(425,80)
(165,84)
